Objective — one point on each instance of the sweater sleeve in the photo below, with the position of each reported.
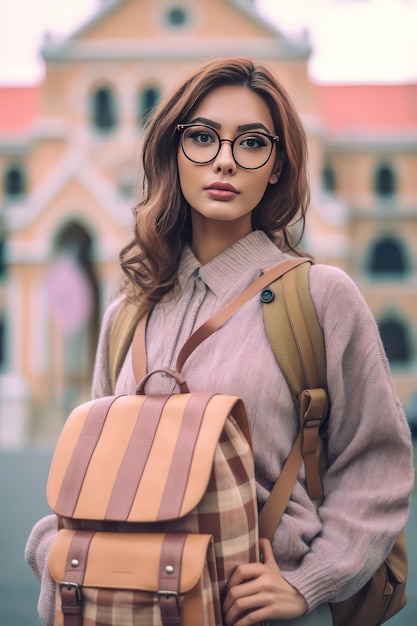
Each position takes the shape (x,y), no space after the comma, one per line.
(370,475)
(37,551)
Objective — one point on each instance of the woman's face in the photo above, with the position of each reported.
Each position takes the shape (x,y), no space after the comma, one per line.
(221,190)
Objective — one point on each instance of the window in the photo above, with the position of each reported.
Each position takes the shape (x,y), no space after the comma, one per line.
(104,109)
(148,99)
(385,183)
(388,257)
(328,179)
(176,17)
(394,337)
(2,342)
(3,263)
(14,182)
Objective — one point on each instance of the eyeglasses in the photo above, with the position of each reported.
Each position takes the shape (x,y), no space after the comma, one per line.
(201,144)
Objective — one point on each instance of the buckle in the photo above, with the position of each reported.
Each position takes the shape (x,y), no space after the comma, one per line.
(68,585)
(168,594)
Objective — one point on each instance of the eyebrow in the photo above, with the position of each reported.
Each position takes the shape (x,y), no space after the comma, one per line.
(217,126)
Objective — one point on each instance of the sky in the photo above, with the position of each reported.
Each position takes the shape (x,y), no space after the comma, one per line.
(353,41)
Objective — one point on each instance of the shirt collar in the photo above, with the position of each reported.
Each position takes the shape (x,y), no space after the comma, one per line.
(253,252)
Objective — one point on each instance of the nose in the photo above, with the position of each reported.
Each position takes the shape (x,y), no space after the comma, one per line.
(224,161)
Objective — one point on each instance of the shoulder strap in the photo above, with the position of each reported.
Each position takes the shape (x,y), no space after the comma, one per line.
(298,344)
(294,331)
(214,323)
(126,328)
(123,328)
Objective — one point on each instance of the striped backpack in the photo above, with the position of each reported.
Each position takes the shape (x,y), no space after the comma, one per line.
(155,496)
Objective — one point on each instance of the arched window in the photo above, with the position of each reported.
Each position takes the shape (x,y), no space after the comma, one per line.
(103,108)
(385,181)
(3,262)
(328,179)
(76,242)
(14,182)
(176,16)
(148,99)
(394,337)
(388,257)
(2,342)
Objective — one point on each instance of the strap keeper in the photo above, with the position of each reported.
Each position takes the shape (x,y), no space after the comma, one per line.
(313,410)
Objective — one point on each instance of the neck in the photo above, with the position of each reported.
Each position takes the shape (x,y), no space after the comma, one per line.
(210,238)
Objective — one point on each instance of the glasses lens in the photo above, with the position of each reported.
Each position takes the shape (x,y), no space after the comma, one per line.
(252,150)
(200,144)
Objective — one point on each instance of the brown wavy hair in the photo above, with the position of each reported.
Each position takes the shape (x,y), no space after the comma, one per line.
(162,218)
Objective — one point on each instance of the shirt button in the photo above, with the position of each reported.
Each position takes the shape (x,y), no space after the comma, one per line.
(267,295)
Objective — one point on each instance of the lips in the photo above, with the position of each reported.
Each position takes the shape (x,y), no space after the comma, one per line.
(222,187)
(222,191)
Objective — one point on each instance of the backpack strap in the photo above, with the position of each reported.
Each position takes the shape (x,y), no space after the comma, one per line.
(121,335)
(214,323)
(298,344)
(130,324)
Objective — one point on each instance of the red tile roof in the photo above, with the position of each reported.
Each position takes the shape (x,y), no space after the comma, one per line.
(18,107)
(368,107)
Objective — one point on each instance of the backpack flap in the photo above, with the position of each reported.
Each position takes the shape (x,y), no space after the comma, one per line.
(139,458)
(167,568)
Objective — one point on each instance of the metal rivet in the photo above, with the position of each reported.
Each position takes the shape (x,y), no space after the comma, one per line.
(169,569)
(75,563)
(267,295)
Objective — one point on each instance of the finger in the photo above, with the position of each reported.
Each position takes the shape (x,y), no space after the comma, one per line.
(245,572)
(266,550)
(246,610)
(236,592)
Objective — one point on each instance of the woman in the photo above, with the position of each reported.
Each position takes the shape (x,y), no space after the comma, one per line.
(225,178)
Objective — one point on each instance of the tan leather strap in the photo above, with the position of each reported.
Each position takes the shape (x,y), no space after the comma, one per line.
(214,323)
(298,344)
(314,407)
(177,480)
(74,476)
(170,577)
(139,349)
(278,499)
(313,410)
(122,331)
(134,460)
(74,577)
(294,332)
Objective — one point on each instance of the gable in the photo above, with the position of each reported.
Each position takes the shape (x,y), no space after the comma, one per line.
(185,19)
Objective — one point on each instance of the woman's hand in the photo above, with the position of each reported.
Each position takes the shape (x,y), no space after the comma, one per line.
(258,591)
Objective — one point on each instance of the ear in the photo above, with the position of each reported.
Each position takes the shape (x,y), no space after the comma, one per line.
(275,174)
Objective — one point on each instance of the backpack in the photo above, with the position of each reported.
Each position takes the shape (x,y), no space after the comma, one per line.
(298,345)
(297,342)
(156,503)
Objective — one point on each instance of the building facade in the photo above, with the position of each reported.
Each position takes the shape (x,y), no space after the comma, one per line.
(70,174)
(369,170)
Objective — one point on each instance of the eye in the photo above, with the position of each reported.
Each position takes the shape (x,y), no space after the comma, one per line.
(201,136)
(253,141)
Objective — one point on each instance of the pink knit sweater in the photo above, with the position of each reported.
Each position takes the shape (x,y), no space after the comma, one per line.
(326,554)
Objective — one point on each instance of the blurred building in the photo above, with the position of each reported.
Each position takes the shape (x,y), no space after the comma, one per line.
(70,174)
(369,170)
